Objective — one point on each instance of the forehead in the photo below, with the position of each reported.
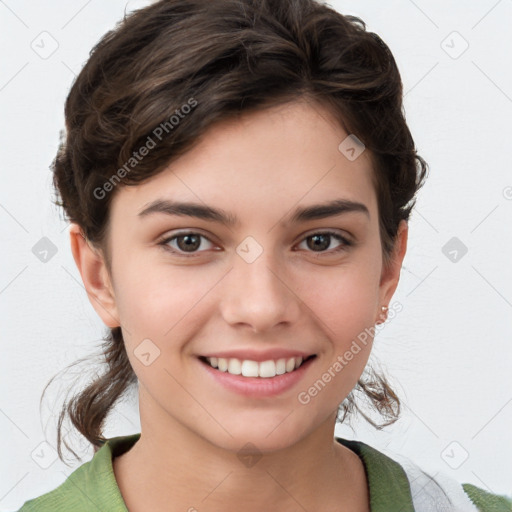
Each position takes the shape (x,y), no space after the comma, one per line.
(265,161)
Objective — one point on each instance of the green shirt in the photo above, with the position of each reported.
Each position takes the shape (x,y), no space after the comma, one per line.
(93,487)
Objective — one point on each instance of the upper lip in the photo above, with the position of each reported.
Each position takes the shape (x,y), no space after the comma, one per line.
(260,355)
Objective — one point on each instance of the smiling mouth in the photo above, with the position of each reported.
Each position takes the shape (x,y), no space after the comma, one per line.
(262,369)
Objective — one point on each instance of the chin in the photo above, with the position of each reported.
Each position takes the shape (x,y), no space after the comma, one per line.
(265,432)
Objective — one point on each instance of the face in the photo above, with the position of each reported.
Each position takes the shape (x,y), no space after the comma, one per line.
(269,285)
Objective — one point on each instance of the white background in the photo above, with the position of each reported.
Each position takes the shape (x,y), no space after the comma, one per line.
(449,351)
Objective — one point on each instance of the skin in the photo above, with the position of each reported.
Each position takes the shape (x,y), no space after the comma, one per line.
(259,167)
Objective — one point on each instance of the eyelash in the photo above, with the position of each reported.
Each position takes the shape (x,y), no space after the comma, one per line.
(345,243)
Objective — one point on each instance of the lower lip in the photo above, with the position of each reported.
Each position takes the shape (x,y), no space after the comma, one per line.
(258,387)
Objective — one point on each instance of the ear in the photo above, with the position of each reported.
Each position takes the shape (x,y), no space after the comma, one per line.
(94,272)
(391,273)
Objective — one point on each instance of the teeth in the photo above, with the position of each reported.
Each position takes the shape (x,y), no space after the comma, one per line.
(248,368)
(267,369)
(234,366)
(280,366)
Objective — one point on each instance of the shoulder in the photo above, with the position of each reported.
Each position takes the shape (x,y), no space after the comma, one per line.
(73,494)
(487,502)
(436,491)
(92,486)
(396,479)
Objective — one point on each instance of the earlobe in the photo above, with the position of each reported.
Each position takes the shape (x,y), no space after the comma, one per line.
(92,267)
(391,274)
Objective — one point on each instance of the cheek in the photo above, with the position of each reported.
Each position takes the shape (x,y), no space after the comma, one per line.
(344,300)
(345,313)
(344,306)
(159,307)
(156,298)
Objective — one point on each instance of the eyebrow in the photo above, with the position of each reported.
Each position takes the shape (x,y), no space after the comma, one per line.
(301,214)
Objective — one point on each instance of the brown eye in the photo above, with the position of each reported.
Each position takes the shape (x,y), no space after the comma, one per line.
(188,243)
(184,243)
(321,241)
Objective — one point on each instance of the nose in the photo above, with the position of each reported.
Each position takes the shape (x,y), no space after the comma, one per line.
(259,295)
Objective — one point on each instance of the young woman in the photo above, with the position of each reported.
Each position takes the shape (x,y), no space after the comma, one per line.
(239,176)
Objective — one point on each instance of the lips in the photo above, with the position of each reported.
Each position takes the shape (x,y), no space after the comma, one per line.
(257,387)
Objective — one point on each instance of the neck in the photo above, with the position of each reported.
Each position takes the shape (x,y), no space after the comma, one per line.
(185,471)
